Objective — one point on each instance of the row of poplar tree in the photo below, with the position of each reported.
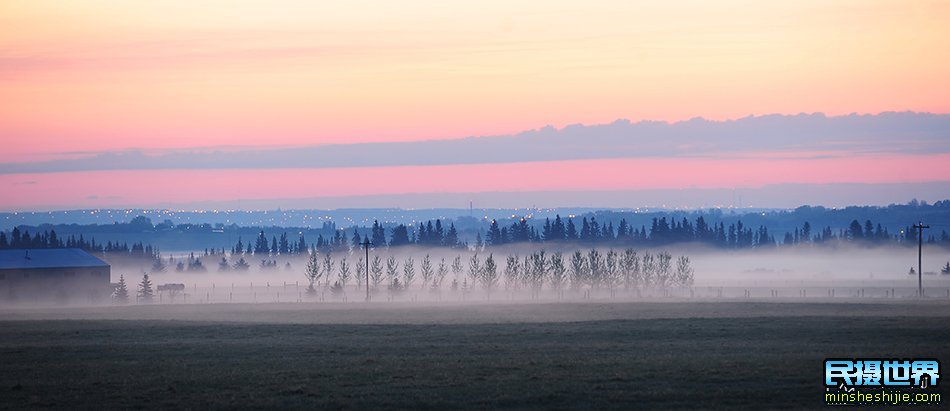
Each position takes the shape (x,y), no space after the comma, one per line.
(593,269)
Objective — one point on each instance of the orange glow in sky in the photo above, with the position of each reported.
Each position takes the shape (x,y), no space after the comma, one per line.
(106,75)
(91,76)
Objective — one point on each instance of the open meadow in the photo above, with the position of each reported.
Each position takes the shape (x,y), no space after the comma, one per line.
(752,354)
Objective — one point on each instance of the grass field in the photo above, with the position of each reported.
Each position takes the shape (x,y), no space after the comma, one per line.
(568,356)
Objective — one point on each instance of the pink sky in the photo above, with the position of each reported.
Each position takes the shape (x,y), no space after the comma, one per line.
(142,188)
(108,75)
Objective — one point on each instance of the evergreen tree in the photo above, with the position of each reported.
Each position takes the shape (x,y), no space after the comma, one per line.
(284,247)
(431,237)
(854,231)
(260,247)
(595,231)
(145,290)
(451,237)
(571,234)
(15,238)
(494,236)
(557,229)
(585,230)
(623,230)
(400,236)
(122,291)
(439,234)
(223,265)
(158,266)
(242,265)
(378,234)
(546,230)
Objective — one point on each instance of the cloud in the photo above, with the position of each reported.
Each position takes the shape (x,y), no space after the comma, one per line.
(771,136)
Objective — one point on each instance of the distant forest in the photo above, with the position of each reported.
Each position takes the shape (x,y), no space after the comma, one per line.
(140,237)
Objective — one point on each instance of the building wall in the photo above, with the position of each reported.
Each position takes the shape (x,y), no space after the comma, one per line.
(64,285)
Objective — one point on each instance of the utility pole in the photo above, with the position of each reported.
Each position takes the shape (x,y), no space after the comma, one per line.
(920,247)
(366,245)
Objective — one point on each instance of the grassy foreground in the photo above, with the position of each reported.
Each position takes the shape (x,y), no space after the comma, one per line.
(707,361)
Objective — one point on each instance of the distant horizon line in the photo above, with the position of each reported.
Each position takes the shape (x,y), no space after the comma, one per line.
(594,208)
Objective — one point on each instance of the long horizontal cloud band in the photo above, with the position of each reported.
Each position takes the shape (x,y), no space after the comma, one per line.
(143,187)
(808,135)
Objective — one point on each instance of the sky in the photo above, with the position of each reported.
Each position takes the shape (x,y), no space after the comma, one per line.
(128,103)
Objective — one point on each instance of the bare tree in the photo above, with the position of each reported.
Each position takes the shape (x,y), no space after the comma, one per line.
(456,268)
(489,275)
(376,272)
(360,270)
(328,267)
(611,270)
(440,274)
(527,267)
(313,274)
(427,271)
(474,270)
(344,274)
(648,265)
(578,270)
(558,272)
(392,270)
(630,268)
(684,271)
(664,269)
(408,273)
(595,268)
(512,272)
(539,269)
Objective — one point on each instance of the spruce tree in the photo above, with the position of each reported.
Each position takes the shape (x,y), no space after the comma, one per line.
(122,291)
(145,289)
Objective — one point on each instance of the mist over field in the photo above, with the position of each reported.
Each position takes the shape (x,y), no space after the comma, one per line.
(879,271)
(491,205)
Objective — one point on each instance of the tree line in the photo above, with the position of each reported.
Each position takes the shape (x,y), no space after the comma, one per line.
(49,239)
(662,231)
(592,270)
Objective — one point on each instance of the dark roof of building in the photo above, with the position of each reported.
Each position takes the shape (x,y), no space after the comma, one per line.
(48,258)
